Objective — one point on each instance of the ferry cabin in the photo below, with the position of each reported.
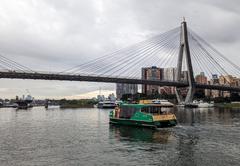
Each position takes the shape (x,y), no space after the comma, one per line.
(147,115)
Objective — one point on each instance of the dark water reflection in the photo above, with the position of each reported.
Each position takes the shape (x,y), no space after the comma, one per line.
(84,137)
(135,134)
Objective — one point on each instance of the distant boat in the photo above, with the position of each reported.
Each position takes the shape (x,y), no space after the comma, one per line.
(10,105)
(25,103)
(52,107)
(188,105)
(202,104)
(107,104)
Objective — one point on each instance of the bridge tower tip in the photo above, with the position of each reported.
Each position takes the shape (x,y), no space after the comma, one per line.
(184,19)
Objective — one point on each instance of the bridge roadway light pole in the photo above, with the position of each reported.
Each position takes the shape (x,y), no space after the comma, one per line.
(184,48)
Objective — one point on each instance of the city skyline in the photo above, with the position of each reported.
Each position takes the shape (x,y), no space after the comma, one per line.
(49,33)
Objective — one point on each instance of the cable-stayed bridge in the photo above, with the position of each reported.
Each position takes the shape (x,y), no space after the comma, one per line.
(179,48)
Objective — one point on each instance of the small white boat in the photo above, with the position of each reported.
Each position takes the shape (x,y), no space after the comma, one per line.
(187,105)
(107,104)
(52,107)
(202,104)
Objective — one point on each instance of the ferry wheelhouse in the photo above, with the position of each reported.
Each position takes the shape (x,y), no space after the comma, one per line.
(146,115)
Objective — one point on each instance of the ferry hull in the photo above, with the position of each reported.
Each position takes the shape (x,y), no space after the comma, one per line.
(155,124)
(106,106)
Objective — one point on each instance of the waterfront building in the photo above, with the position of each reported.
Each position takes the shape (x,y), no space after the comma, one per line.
(224,80)
(184,78)
(213,93)
(122,89)
(202,79)
(169,74)
(237,82)
(208,91)
(228,80)
(215,81)
(151,73)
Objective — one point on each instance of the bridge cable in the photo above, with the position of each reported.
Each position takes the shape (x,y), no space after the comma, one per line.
(121,50)
(147,55)
(135,55)
(212,60)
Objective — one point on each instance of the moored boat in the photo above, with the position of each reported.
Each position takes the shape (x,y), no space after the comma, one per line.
(145,115)
(25,102)
(187,105)
(202,104)
(107,104)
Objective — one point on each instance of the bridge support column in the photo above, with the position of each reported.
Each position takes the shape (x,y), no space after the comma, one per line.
(184,48)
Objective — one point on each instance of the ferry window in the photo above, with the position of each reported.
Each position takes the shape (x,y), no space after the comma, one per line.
(127,112)
(151,109)
(145,109)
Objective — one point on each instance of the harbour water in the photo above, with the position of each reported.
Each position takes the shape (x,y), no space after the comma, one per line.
(84,137)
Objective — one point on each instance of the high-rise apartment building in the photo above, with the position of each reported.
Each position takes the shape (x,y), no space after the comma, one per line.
(122,89)
(151,73)
(169,74)
(201,79)
(228,80)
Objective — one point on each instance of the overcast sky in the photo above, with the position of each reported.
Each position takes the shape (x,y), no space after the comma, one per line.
(52,35)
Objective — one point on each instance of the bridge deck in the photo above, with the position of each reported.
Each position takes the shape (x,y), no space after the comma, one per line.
(69,77)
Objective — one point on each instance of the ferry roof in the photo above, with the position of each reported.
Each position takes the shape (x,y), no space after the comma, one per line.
(140,105)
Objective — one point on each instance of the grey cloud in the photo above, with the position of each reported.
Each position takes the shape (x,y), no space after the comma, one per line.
(58,34)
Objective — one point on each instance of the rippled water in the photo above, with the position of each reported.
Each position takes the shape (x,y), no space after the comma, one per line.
(84,137)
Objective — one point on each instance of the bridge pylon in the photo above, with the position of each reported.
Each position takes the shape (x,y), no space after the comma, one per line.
(184,50)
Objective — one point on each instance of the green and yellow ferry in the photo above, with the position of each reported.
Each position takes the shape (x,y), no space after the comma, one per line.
(145,115)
